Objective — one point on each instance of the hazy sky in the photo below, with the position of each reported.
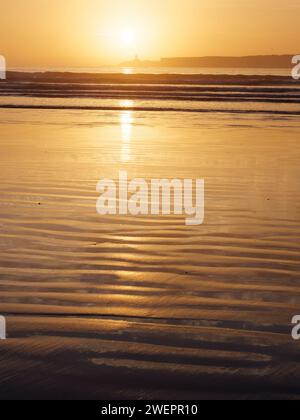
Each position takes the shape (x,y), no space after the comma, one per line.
(95,32)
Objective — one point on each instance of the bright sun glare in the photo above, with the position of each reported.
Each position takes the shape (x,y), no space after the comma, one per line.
(128,37)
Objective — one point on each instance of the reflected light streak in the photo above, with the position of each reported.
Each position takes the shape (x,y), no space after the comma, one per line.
(126,123)
(127,71)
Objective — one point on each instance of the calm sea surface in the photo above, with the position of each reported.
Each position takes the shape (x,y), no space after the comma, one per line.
(162,70)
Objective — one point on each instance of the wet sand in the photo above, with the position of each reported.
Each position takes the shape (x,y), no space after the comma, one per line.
(145,307)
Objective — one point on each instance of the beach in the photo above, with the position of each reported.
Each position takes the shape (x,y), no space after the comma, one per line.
(124,307)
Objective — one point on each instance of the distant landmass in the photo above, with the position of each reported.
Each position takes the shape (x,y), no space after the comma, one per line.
(255,61)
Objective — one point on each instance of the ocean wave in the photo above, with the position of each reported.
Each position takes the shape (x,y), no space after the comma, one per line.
(172,93)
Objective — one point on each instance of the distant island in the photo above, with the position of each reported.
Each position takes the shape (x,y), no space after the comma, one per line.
(255,61)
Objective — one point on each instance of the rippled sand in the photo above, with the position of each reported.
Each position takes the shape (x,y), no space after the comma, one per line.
(124,307)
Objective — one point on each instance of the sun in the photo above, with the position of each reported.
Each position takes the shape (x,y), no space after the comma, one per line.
(127,37)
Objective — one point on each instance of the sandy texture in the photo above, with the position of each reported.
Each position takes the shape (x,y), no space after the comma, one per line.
(145,307)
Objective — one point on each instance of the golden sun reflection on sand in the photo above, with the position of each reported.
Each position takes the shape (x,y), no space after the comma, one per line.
(126,123)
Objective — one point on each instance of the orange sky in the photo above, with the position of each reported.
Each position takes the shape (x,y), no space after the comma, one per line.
(60,33)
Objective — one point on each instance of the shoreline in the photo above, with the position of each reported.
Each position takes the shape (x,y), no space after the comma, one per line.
(148,109)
